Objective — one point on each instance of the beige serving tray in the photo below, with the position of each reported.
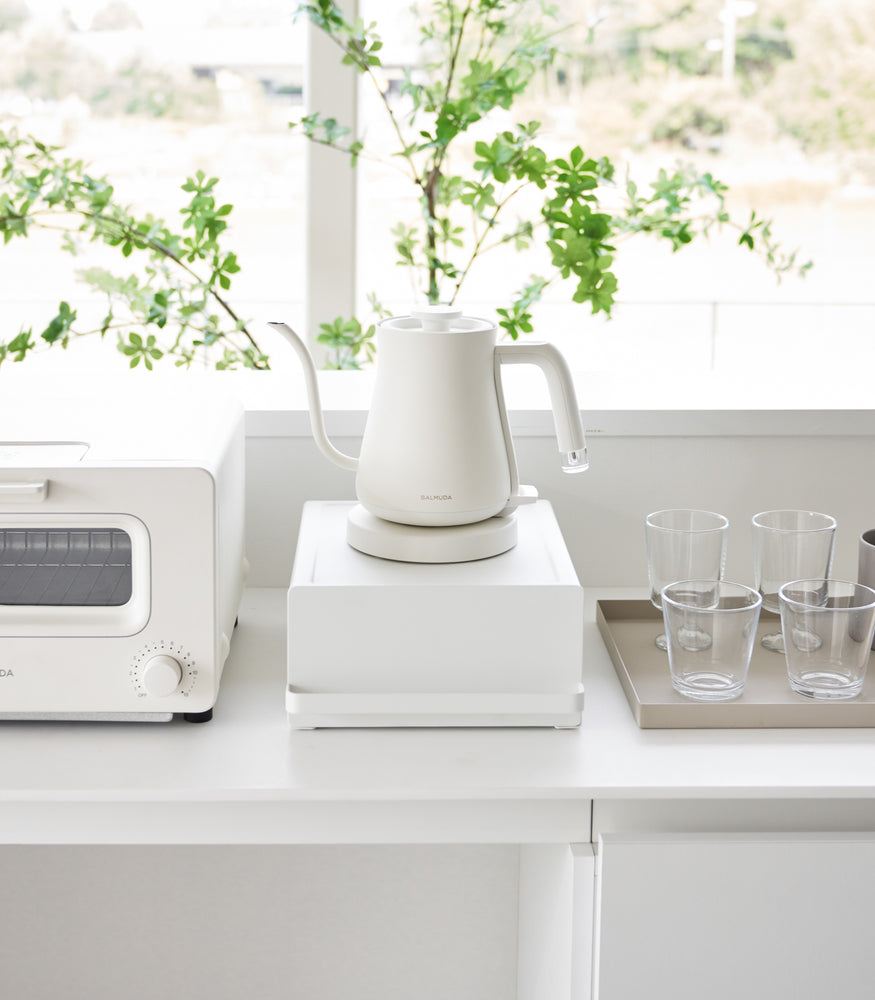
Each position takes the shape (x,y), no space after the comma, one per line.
(629,628)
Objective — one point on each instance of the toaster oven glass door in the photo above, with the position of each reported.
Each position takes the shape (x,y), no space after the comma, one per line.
(85,572)
(65,567)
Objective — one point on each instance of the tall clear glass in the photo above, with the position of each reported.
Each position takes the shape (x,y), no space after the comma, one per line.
(684,544)
(789,545)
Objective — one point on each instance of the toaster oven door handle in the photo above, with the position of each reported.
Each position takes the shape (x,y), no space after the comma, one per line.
(33,490)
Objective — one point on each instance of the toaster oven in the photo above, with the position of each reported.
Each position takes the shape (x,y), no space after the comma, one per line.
(121,555)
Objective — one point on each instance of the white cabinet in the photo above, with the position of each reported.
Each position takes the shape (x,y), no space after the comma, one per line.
(729,915)
(346,864)
(555,922)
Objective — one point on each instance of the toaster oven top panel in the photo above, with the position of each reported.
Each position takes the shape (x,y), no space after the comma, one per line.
(144,423)
(44,453)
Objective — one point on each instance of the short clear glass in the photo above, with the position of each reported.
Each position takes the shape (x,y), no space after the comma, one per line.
(828,628)
(728,613)
(789,545)
(683,544)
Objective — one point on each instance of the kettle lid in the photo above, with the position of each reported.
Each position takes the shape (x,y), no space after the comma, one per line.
(436,318)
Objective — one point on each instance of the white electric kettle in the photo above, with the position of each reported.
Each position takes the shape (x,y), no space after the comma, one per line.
(436,478)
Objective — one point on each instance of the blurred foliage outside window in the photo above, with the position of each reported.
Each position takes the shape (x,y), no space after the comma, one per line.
(149,93)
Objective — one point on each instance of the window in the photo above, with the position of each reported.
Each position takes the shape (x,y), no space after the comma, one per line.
(776,97)
(148,92)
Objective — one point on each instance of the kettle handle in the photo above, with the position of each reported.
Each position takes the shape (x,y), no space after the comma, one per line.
(566,413)
(519,494)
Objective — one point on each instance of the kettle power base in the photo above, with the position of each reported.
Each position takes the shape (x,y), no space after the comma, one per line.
(492,642)
(419,544)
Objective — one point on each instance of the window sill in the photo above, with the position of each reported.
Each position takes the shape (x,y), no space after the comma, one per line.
(614,404)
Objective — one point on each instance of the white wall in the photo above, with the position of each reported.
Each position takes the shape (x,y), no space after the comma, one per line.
(714,460)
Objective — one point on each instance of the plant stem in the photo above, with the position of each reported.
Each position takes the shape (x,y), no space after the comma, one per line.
(478,246)
(355,51)
(147,242)
(433,177)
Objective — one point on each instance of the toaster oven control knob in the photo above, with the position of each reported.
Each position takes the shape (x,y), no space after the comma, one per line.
(161,675)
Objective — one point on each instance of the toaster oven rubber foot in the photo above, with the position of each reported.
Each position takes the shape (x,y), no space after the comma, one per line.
(198,716)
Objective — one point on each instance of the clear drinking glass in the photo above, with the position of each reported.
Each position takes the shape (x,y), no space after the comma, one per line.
(866,560)
(841,615)
(684,545)
(728,614)
(789,545)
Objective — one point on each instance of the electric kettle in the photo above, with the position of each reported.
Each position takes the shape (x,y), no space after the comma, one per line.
(436,478)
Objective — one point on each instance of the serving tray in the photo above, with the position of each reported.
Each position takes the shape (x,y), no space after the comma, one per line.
(629,628)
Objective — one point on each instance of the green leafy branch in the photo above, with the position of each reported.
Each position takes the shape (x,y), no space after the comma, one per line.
(174,306)
(685,204)
(479,56)
(346,339)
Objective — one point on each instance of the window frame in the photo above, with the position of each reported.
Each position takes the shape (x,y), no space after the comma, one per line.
(330,186)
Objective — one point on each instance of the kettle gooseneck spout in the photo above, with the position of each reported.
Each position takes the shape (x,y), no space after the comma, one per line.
(317,422)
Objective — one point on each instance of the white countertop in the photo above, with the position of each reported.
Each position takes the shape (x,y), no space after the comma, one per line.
(247,777)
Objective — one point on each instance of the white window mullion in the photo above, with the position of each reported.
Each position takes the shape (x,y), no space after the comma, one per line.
(331,89)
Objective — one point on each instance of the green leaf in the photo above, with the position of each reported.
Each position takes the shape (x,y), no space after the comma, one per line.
(59,327)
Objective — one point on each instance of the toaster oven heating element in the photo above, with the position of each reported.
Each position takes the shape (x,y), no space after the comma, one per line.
(59,567)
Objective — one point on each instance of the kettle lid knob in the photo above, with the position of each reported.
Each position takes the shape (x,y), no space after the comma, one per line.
(436,318)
